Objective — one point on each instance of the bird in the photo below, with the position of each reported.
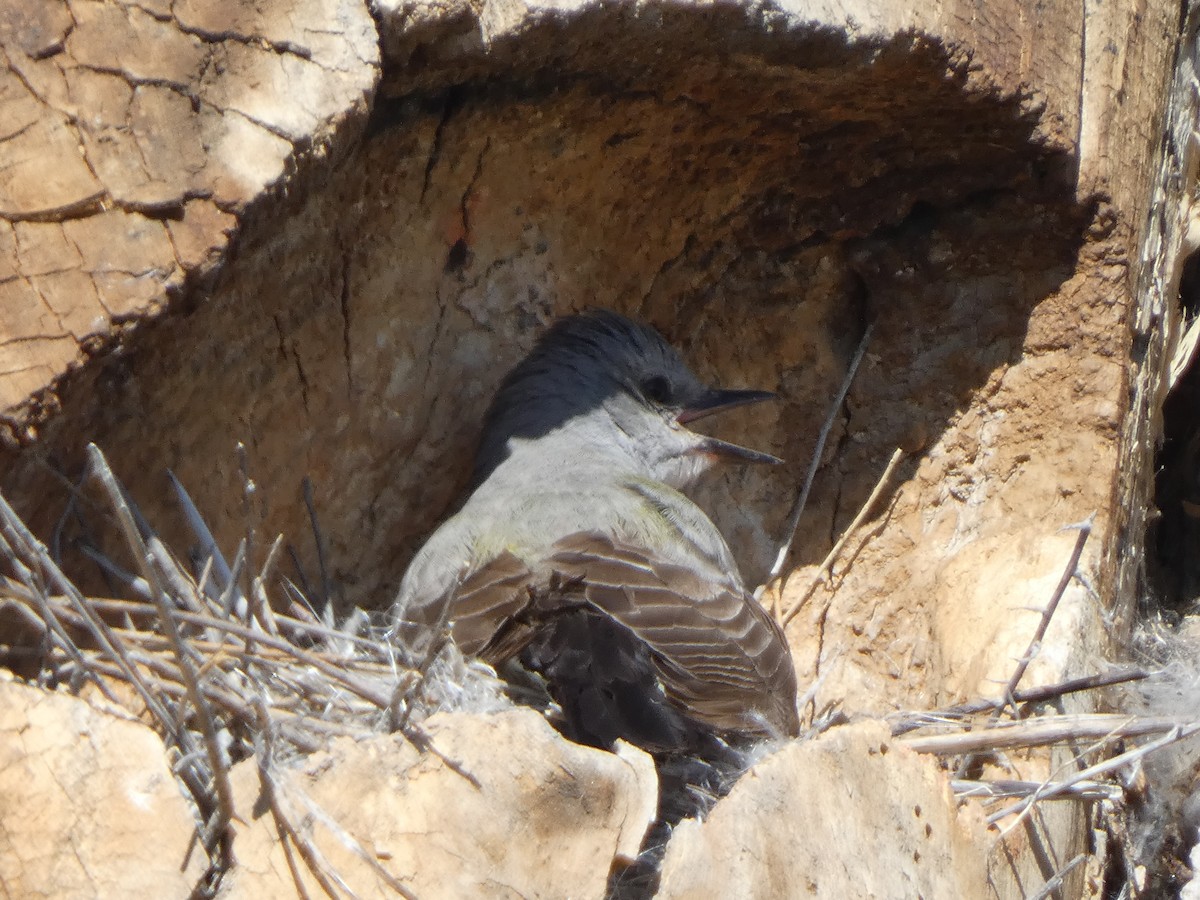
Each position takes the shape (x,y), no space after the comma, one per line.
(578,558)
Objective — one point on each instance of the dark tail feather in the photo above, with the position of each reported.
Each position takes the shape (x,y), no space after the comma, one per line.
(606,684)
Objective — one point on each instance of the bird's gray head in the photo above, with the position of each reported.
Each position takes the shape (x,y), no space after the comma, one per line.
(616,386)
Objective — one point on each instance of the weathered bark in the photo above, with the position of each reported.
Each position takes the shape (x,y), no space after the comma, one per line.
(327,237)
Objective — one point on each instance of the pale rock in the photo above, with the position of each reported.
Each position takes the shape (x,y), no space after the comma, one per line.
(88,807)
(547,818)
(850,814)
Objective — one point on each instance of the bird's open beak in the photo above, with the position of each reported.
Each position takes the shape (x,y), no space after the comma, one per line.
(715,401)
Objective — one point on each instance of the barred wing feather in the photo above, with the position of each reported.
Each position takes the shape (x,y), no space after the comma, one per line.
(719,654)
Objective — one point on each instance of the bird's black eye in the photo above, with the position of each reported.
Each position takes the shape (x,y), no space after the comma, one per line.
(657,389)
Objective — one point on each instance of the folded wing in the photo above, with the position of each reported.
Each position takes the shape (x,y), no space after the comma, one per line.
(720,656)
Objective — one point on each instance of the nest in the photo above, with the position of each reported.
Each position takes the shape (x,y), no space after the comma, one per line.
(226,664)
(209,661)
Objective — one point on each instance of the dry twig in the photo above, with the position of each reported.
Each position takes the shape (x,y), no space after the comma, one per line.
(1035,643)
(218,674)
(994,790)
(218,829)
(826,567)
(954,714)
(1045,731)
(797,511)
(288,833)
(1050,790)
(1056,882)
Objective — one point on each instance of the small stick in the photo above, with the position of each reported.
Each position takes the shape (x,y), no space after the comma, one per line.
(827,565)
(226,698)
(319,540)
(350,841)
(86,541)
(809,698)
(47,614)
(232,595)
(259,588)
(185,596)
(183,589)
(271,658)
(132,582)
(249,488)
(420,739)
(1056,882)
(1084,790)
(19,534)
(793,524)
(304,589)
(250,613)
(1175,734)
(255,617)
(200,531)
(268,568)
(1040,732)
(378,698)
(286,843)
(298,605)
(74,491)
(262,605)
(136,607)
(405,685)
(202,581)
(299,736)
(839,567)
(23,607)
(288,832)
(913,721)
(1035,645)
(204,603)
(220,773)
(400,722)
